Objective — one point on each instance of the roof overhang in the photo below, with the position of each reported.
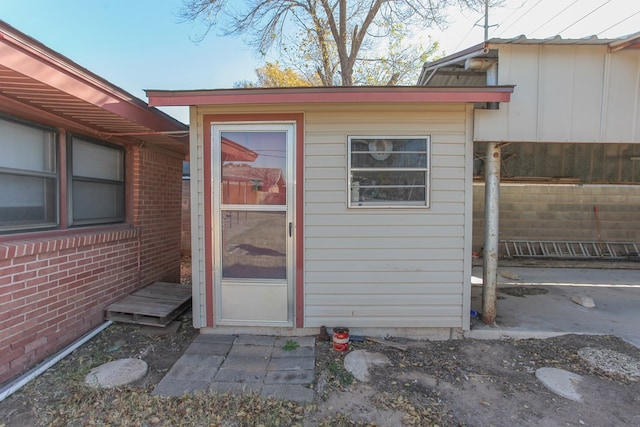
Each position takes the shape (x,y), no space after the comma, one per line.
(453,70)
(330,95)
(39,84)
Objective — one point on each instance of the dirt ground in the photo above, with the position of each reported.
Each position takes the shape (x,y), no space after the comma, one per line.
(446,383)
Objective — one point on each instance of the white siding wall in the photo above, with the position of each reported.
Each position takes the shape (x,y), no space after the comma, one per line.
(384,267)
(565,93)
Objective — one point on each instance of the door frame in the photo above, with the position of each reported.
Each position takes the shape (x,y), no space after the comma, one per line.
(207,292)
(225,285)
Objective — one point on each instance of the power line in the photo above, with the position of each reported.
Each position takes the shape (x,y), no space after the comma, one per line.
(522,16)
(619,22)
(597,8)
(553,17)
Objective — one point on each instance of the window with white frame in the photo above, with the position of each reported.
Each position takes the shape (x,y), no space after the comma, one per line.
(28,176)
(389,171)
(96,181)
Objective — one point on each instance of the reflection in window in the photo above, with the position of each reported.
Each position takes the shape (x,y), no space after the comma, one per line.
(28,177)
(97,182)
(388,171)
(253,168)
(253,245)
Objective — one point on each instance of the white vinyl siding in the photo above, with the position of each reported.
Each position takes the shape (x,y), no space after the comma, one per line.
(565,93)
(392,267)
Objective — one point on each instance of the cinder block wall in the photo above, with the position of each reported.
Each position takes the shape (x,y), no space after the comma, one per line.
(561,212)
(55,289)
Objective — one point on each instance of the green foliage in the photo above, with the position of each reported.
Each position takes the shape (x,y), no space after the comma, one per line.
(290,345)
(336,368)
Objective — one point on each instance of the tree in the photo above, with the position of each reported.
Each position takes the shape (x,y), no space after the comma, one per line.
(272,75)
(333,35)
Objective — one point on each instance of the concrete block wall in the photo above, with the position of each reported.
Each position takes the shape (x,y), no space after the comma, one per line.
(55,286)
(563,212)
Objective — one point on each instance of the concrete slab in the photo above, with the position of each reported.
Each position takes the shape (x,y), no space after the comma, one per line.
(262,340)
(220,387)
(177,388)
(229,364)
(194,367)
(291,364)
(170,329)
(309,341)
(215,339)
(240,375)
(279,352)
(305,376)
(561,382)
(293,392)
(616,294)
(254,351)
(116,373)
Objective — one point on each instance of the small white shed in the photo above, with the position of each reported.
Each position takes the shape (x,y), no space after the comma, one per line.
(332,206)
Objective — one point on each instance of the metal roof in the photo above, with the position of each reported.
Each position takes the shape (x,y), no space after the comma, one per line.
(450,70)
(39,84)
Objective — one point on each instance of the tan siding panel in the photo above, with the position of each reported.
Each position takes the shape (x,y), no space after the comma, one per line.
(389,278)
(377,262)
(443,282)
(406,243)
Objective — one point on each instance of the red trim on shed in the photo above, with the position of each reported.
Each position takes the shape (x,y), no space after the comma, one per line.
(324,95)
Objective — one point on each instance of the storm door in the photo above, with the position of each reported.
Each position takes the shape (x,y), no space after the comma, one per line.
(253,223)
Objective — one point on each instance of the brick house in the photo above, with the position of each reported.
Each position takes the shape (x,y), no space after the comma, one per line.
(90,199)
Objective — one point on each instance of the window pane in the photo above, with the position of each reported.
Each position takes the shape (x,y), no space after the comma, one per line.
(254,168)
(98,202)
(27,201)
(389,171)
(26,147)
(92,160)
(254,245)
(391,177)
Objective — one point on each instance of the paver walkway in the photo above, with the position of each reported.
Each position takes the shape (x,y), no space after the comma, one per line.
(244,363)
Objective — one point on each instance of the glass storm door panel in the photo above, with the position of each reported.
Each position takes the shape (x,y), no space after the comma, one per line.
(252,165)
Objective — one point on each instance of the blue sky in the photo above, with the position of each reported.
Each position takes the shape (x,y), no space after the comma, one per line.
(139,44)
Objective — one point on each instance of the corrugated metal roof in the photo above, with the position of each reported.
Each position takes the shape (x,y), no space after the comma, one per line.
(450,70)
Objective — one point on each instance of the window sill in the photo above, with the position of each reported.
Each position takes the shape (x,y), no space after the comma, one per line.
(25,244)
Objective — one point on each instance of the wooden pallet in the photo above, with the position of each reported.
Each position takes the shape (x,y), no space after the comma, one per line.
(155,305)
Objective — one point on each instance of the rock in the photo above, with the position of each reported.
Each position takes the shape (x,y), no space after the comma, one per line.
(560,382)
(116,373)
(583,301)
(359,362)
(611,361)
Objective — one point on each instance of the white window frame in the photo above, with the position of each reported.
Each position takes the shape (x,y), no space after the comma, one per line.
(95,180)
(353,189)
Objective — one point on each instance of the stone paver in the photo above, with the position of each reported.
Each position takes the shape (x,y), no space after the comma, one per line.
(116,373)
(243,364)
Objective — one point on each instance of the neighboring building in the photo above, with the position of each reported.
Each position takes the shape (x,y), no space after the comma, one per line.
(332,206)
(571,159)
(90,190)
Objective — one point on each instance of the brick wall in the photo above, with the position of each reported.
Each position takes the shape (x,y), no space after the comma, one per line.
(185,244)
(561,212)
(55,289)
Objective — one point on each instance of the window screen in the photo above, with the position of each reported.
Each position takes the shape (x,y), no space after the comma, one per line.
(388,171)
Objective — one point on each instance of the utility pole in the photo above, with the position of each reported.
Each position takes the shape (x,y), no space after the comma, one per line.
(486,20)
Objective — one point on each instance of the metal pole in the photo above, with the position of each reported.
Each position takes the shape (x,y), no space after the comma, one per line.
(486,20)
(491,237)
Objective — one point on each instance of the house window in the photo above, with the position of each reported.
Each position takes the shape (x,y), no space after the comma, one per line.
(389,171)
(97,182)
(28,177)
